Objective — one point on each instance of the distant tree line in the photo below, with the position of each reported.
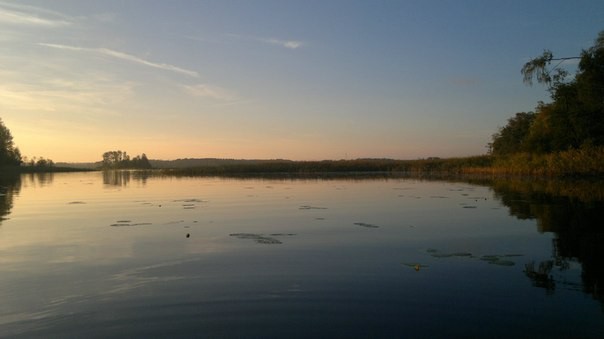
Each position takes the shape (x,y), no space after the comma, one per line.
(38,162)
(326,168)
(121,160)
(575,117)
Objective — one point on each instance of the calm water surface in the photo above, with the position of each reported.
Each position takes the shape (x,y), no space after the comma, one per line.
(124,255)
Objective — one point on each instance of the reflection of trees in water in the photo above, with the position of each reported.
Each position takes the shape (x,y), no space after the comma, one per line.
(10,185)
(38,179)
(572,210)
(122,178)
(541,276)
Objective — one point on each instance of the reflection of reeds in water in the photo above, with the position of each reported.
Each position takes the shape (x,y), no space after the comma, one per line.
(583,190)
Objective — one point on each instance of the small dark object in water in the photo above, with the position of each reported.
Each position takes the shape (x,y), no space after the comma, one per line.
(188,235)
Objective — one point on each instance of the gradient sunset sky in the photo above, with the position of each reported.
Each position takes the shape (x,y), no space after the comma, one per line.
(303,80)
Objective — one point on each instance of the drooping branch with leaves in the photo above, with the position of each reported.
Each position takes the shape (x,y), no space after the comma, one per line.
(539,68)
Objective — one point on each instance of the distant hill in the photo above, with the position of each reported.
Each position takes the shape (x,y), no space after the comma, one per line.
(178,163)
(84,165)
(206,162)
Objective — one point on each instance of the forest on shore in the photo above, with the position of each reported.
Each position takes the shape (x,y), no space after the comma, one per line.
(566,135)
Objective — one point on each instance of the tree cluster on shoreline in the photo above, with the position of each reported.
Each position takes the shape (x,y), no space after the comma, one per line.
(121,160)
(573,120)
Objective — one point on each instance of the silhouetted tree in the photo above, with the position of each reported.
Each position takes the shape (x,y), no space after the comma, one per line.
(9,154)
(140,161)
(512,137)
(121,160)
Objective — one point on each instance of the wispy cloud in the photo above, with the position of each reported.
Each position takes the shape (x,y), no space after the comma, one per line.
(209,91)
(290,44)
(124,56)
(18,14)
(93,94)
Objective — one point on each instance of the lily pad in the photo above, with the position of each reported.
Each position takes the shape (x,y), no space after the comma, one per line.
(307,207)
(259,238)
(188,200)
(496,259)
(130,224)
(416,266)
(366,225)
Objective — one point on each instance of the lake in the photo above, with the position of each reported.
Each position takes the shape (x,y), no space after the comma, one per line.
(125,254)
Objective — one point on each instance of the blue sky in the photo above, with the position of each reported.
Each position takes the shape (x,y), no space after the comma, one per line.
(301,80)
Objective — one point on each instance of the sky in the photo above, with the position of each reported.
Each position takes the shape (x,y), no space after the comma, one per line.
(300,80)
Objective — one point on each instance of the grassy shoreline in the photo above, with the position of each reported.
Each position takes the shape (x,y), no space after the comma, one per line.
(585,162)
(576,163)
(588,162)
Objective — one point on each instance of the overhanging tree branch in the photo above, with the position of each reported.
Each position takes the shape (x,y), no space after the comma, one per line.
(538,68)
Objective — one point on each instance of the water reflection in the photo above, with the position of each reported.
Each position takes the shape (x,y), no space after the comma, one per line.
(37,179)
(122,178)
(572,210)
(10,185)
